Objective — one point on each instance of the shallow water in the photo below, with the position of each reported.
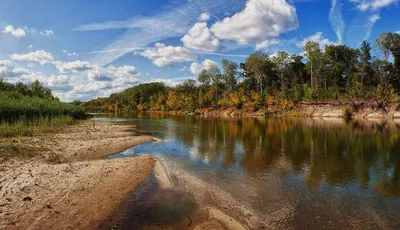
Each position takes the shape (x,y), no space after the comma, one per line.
(281,173)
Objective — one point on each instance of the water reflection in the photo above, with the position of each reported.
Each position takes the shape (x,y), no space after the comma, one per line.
(330,151)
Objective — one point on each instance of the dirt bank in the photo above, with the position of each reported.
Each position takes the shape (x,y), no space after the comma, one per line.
(62,181)
(312,109)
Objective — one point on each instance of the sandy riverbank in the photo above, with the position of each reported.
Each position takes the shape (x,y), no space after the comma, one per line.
(62,181)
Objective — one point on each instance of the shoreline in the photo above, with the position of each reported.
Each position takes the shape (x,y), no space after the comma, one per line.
(346,110)
(68,183)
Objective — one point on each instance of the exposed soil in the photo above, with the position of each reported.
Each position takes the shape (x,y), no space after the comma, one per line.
(312,109)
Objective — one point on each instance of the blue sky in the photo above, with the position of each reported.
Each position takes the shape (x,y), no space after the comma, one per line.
(83,49)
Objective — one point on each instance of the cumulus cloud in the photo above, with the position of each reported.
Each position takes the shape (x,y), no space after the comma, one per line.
(72,67)
(7,70)
(55,80)
(266,44)
(364,5)
(201,38)
(204,17)
(42,57)
(163,56)
(260,20)
(317,37)
(15,32)
(47,33)
(196,68)
(124,74)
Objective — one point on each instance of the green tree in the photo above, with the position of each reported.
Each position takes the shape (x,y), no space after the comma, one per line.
(37,90)
(365,71)
(230,73)
(390,43)
(259,69)
(343,60)
(210,76)
(282,61)
(314,55)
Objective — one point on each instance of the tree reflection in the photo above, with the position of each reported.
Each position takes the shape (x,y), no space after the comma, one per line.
(332,151)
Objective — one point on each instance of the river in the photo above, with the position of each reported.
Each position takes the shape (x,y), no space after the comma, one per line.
(280,173)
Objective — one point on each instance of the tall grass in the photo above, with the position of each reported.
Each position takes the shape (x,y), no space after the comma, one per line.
(24,116)
(33,126)
(15,108)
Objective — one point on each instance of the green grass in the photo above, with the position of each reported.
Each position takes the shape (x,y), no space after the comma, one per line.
(34,126)
(15,108)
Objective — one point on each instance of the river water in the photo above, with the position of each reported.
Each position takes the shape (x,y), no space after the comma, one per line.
(284,173)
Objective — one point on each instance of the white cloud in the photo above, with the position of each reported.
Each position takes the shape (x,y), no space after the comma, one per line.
(317,37)
(374,18)
(30,46)
(266,44)
(72,67)
(126,74)
(201,38)
(364,5)
(42,57)
(57,80)
(260,20)
(172,22)
(163,56)
(204,17)
(70,54)
(196,68)
(15,32)
(7,70)
(47,33)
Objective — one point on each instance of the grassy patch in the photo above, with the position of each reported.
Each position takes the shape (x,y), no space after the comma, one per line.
(15,107)
(34,126)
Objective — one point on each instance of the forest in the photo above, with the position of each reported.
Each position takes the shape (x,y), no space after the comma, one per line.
(332,73)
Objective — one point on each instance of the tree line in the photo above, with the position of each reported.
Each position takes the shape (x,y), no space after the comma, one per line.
(335,72)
